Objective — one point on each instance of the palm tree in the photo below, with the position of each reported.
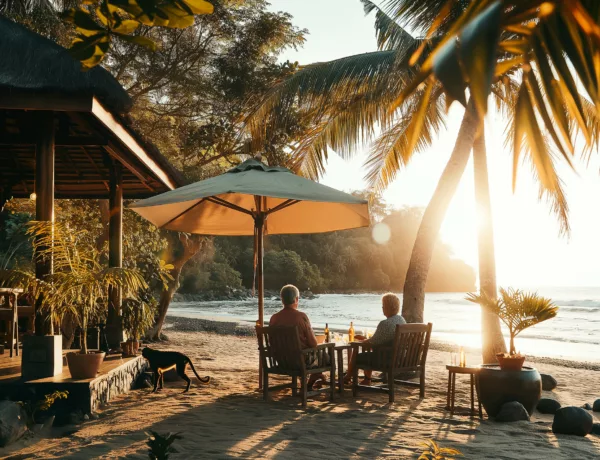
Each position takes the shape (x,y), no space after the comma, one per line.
(80,282)
(345,99)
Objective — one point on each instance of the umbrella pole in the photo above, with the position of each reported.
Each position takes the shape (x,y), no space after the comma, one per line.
(259,223)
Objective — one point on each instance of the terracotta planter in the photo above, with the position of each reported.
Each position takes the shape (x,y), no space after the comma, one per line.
(510,363)
(497,387)
(84,366)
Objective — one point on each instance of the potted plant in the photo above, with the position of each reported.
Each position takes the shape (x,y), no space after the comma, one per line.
(510,381)
(79,284)
(138,317)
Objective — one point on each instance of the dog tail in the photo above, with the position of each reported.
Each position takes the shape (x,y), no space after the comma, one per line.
(203,380)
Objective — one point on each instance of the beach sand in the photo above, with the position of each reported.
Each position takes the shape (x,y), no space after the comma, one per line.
(228,418)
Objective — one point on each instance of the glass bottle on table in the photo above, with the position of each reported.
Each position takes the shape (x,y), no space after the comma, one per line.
(351,332)
(327,336)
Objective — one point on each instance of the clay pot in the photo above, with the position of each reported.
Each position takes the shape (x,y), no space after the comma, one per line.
(497,387)
(510,363)
(84,366)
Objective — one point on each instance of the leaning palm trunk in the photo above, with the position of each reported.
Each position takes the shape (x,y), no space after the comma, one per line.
(416,277)
(492,340)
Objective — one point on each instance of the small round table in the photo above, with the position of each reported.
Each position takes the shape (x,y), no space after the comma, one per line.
(473,372)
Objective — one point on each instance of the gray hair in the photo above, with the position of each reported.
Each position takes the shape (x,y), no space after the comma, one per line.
(289,293)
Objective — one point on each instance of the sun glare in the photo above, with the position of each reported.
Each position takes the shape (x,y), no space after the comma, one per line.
(381,233)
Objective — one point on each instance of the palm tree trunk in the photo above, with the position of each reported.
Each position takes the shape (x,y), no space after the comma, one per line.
(491,335)
(416,277)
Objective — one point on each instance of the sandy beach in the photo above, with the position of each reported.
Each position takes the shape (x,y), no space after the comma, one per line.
(229,419)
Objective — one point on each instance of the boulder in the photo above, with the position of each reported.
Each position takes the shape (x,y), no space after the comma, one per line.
(512,412)
(13,422)
(596,429)
(548,382)
(596,406)
(587,406)
(572,420)
(548,406)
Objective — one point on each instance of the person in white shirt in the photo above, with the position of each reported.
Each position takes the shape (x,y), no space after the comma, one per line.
(384,335)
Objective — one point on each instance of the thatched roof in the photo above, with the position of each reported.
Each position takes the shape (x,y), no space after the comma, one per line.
(31,62)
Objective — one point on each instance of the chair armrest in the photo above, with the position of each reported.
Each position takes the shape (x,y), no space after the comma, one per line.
(357,346)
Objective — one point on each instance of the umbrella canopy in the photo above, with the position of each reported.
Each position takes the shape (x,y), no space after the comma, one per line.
(230,203)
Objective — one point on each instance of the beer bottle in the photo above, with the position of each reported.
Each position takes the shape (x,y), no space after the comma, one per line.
(351,332)
(327,337)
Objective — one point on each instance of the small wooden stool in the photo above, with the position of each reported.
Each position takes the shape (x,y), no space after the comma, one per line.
(473,373)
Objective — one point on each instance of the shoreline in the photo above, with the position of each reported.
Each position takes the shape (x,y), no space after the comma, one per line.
(236,327)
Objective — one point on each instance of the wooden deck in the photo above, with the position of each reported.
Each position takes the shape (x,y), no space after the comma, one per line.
(117,375)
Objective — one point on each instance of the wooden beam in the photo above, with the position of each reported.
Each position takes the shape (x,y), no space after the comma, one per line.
(44,206)
(107,119)
(114,152)
(28,100)
(97,169)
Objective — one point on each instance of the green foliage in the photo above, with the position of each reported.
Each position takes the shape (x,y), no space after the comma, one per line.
(14,243)
(161,445)
(138,315)
(80,281)
(433,451)
(339,261)
(98,22)
(517,309)
(31,408)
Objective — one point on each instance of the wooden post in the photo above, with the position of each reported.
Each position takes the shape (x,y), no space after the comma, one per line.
(259,223)
(115,253)
(43,123)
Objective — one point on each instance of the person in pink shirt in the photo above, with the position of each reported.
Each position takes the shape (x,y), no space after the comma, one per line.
(290,316)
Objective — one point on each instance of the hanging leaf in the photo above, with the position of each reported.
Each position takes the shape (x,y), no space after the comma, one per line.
(446,66)
(199,6)
(126,27)
(477,51)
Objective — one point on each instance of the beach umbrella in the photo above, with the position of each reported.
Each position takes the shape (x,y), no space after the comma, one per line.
(255,199)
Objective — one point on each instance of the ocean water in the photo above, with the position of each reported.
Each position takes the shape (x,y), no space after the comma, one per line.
(573,334)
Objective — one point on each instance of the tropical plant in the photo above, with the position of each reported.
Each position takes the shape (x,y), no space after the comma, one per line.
(33,407)
(517,309)
(80,280)
(138,315)
(433,451)
(161,445)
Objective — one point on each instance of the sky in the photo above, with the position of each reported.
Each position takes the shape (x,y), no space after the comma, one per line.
(529,250)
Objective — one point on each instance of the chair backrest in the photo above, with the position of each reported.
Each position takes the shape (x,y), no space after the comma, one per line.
(279,347)
(411,344)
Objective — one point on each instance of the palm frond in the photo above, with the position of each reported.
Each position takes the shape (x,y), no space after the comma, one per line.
(412,132)
(323,91)
(390,35)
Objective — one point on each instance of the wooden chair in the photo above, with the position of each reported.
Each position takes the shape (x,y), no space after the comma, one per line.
(407,354)
(281,354)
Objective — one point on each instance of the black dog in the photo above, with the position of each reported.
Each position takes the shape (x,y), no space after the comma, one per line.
(162,361)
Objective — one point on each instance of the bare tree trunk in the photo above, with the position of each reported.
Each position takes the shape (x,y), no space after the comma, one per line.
(492,339)
(192,245)
(413,302)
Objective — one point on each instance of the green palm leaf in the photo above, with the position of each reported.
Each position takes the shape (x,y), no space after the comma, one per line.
(390,35)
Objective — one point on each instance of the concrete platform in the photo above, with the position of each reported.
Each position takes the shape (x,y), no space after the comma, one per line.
(117,376)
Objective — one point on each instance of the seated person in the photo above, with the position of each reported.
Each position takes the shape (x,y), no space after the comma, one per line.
(384,335)
(290,316)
